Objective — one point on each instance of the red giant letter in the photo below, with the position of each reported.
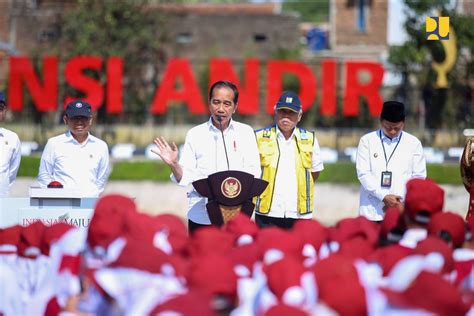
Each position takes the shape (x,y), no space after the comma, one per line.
(221,69)
(114,85)
(77,79)
(189,92)
(370,90)
(329,88)
(45,96)
(275,71)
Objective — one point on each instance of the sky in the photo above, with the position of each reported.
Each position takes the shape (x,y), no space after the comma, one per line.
(396,34)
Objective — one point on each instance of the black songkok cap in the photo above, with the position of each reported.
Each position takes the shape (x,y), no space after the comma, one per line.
(393,111)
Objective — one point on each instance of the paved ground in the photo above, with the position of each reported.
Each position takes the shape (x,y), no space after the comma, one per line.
(332,202)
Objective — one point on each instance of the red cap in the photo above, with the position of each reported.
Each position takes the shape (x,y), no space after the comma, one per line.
(191,303)
(241,225)
(470,229)
(387,257)
(213,274)
(282,309)
(276,238)
(392,221)
(435,244)
(430,292)
(335,267)
(284,274)
(110,219)
(145,228)
(10,236)
(144,256)
(311,232)
(178,233)
(246,255)
(423,195)
(339,286)
(451,223)
(349,228)
(53,233)
(357,247)
(210,240)
(30,240)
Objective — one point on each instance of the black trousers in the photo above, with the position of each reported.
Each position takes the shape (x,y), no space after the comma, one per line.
(263,221)
(192,226)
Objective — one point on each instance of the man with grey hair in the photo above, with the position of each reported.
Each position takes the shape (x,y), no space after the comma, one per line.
(290,159)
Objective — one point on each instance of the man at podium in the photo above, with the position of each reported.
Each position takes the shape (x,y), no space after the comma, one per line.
(217,145)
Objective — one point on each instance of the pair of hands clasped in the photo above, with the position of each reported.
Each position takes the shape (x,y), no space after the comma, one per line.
(391,200)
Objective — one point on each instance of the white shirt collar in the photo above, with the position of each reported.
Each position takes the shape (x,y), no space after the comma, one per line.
(281,136)
(70,138)
(215,129)
(387,139)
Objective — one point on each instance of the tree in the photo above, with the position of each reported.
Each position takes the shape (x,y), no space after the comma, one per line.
(129,29)
(414,60)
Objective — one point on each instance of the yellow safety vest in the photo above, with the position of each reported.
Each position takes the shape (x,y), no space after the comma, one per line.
(269,160)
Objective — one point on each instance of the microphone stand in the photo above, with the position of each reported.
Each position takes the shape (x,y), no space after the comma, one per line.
(219,119)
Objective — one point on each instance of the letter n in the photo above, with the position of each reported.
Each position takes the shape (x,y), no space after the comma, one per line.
(44,95)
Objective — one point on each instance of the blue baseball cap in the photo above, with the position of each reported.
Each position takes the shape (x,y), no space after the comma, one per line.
(289,100)
(2,98)
(78,108)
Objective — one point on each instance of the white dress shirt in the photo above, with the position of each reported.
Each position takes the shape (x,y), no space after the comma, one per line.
(285,193)
(10,156)
(407,162)
(203,154)
(84,167)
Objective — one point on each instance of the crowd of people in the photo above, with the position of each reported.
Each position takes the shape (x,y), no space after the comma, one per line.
(402,255)
(417,261)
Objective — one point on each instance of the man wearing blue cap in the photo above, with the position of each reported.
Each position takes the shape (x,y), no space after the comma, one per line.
(76,159)
(291,161)
(10,152)
(386,159)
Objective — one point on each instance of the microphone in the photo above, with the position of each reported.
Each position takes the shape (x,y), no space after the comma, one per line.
(219,119)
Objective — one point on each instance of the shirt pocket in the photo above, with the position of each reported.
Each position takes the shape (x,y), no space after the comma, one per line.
(268,151)
(306,154)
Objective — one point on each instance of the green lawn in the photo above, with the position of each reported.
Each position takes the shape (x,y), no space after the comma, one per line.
(342,172)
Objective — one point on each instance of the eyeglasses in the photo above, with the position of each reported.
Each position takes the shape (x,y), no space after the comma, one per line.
(3,107)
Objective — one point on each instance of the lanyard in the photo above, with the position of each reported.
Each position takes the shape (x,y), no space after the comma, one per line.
(383,147)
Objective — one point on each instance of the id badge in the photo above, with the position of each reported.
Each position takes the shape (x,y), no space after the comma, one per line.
(386,181)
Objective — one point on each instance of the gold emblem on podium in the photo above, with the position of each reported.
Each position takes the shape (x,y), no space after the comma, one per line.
(231,187)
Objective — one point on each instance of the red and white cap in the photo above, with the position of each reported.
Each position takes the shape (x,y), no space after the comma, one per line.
(423,199)
(9,239)
(448,223)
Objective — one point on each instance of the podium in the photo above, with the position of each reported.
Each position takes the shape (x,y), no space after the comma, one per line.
(49,205)
(229,192)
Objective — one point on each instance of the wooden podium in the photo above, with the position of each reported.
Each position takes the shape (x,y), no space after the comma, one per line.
(229,192)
